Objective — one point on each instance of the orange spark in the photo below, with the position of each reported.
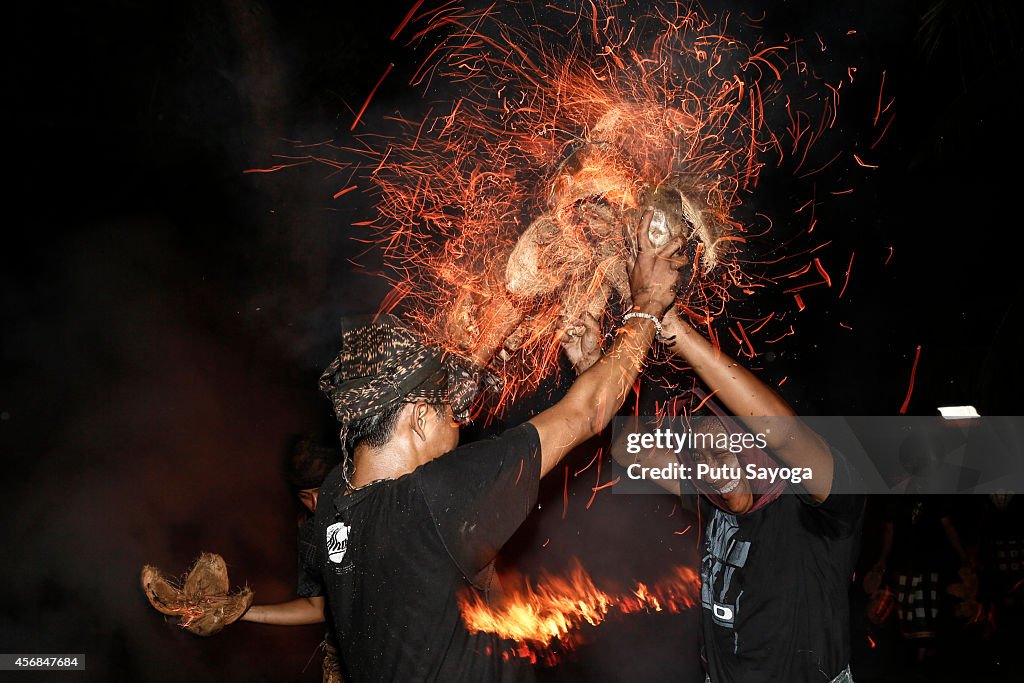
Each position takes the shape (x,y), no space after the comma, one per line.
(746,339)
(910,389)
(884,131)
(862,163)
(822,272)
(369,97)
(597,486)
(345,191)
(278,167)
(407,18)
(846,280)
(613,482)
(878,111)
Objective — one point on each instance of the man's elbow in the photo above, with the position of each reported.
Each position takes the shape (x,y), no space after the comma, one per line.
(582,423)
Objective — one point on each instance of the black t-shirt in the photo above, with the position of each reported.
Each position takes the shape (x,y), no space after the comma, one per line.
(395,555)
(309,583)
(774,584)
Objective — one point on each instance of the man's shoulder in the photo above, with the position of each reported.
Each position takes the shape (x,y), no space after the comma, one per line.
(521,440)
(522,436)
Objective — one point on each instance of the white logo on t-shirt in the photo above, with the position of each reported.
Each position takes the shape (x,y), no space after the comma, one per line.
(337,541)
(722,612)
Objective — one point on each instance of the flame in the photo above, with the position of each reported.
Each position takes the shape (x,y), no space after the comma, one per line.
(559,606)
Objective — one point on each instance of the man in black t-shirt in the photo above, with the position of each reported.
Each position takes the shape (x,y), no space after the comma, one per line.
(777,561)
(409,520)
(774,587)
(306,467)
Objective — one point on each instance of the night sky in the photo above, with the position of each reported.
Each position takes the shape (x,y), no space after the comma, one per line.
(166,315)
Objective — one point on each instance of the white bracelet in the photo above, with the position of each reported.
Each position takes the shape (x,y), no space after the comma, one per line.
(645,316)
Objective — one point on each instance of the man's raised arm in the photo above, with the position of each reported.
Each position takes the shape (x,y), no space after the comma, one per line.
(749,399)
(598,393)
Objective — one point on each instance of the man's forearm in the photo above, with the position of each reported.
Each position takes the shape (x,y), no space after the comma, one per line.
(733,384)
(754,403)
(298,612)
(603,387)
(598,393)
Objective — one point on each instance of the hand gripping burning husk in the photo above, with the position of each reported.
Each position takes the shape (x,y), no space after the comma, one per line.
(202,602)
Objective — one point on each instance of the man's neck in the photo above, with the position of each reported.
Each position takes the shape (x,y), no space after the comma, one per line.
(386,462)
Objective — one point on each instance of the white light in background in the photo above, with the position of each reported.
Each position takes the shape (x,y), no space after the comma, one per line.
(958,412)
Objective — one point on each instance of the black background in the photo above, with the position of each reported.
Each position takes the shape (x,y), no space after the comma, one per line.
(165,315)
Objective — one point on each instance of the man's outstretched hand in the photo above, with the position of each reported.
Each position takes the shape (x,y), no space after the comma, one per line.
(203,602)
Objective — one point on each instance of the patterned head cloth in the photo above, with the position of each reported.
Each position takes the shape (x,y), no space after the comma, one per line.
(383,364)
(764,493)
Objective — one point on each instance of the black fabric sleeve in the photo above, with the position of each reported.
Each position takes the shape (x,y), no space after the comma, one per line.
(480,493)
(840,513)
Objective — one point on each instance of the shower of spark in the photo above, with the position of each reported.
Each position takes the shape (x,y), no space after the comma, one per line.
(508,204)
(553,612)
(504,212)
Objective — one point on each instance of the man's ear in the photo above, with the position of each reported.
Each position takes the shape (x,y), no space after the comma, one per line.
(418,419)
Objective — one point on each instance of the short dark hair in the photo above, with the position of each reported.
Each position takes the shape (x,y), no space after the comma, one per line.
(308,461)
(373,430)
(377,429)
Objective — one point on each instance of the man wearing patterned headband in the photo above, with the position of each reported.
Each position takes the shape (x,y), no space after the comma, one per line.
(411,520)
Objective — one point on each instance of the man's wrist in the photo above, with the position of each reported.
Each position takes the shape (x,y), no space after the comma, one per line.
(644,316)
(648,307)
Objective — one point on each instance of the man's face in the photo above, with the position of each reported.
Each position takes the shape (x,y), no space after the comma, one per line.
(735,492)
(308,498)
